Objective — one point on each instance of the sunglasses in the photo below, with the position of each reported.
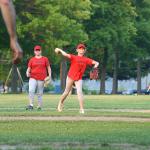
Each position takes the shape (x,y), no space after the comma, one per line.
(81,48)
(37,50)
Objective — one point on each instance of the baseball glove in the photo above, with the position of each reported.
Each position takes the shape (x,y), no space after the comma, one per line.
(94,74)
(47,81)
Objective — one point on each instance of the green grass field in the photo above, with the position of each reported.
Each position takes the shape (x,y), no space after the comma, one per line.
(47,134)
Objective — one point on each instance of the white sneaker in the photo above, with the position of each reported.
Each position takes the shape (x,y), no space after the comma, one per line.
(60,107)
(81,111)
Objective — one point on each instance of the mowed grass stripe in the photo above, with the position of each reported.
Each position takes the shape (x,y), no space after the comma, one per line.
(95,105)
(91,101)
(32,132)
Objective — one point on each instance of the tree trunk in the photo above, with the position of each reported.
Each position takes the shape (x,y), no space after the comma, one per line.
(14,84)
(115,73)
(139,76)
(103,72)
(63,73)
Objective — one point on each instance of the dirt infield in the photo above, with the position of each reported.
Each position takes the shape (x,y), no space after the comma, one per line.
(94,110)
(73,118)
(82,117)
(76,145)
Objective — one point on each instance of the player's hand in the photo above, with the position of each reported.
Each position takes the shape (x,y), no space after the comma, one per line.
(57,50)
(47,81)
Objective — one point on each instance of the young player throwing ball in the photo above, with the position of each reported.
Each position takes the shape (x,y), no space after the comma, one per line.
(38,67)
(78,65)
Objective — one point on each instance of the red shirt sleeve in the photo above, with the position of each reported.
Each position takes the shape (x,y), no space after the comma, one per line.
(47,62)
(71,57)
(30,63)
(89,61)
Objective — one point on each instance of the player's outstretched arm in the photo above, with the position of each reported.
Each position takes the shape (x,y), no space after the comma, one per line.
(60,51)
(95,63)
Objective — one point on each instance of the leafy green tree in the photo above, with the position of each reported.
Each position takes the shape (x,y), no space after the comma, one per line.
(51,24)
(142,40)
(110,29)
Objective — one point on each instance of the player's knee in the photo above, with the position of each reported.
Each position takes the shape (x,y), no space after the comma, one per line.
(66,93)
(31,92)
(79,92)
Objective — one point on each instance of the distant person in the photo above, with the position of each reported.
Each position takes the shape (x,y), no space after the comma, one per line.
(148,89)
(78,65)
(38,67)
(9,16)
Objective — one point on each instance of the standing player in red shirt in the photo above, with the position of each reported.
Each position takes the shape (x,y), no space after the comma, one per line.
(38,67)
(78,65)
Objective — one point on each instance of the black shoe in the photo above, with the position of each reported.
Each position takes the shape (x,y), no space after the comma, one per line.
(29,107)
(39,108)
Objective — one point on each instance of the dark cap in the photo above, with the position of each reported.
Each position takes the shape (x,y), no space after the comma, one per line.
(37,47)
(81,46)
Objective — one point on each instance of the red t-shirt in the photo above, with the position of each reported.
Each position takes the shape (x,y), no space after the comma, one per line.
(78,66)
(38,67)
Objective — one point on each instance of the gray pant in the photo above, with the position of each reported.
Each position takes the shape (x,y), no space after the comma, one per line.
(33,85)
